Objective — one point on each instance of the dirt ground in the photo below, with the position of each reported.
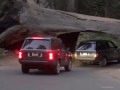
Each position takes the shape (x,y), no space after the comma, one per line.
(9,60)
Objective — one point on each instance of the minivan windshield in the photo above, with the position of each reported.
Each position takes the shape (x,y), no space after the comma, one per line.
(36,44)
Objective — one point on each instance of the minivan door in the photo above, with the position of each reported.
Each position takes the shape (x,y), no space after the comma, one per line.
(113,50)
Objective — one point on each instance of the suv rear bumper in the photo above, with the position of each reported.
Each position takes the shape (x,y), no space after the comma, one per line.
(38,64)
(89,60)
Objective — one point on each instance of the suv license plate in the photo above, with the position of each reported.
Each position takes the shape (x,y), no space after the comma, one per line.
(34,54)
(83,54)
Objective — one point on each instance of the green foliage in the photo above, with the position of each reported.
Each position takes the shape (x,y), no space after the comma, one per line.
(3,52)
(60,4)
(104,8)
(76,63)
(91,7)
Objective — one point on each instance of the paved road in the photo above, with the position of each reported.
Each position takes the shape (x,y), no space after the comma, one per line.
(82,78)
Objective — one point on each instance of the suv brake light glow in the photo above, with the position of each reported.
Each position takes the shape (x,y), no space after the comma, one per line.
(51,56)
(95,55)
(20,54)
(37,38)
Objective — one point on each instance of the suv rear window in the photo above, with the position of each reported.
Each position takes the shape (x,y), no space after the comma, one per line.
(87,46)
(36,44)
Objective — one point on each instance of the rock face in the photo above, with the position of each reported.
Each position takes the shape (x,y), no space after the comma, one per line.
(22,18)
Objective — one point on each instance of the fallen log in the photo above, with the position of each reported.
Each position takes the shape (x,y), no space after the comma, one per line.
(37,21)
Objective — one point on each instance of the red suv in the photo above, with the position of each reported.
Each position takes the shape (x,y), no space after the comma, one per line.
(44,53)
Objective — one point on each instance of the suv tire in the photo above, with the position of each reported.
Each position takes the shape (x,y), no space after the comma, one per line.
(24,69)
(118,61)
(103,62)
(56,68)
(68,67)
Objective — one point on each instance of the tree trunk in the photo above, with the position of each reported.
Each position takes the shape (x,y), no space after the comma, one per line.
(108,8)
(71,5)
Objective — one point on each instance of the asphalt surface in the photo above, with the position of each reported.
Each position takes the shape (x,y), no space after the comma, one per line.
(82,78)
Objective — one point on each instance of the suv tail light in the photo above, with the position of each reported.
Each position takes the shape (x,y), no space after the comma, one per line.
(51,56)
(20,54)
(96,55)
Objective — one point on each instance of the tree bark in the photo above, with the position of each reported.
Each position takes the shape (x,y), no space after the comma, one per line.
(108,8)
(37,21)
(71,5)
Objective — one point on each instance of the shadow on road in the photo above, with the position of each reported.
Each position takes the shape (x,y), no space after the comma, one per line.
(110,65)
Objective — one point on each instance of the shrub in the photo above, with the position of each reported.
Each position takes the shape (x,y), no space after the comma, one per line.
(3,52)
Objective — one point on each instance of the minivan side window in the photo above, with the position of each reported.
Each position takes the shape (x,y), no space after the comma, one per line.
(102,45)
(111,45)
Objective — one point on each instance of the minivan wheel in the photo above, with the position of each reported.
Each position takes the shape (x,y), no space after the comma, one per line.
(103,62)
(24,69)
(56,69)
(68,67)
